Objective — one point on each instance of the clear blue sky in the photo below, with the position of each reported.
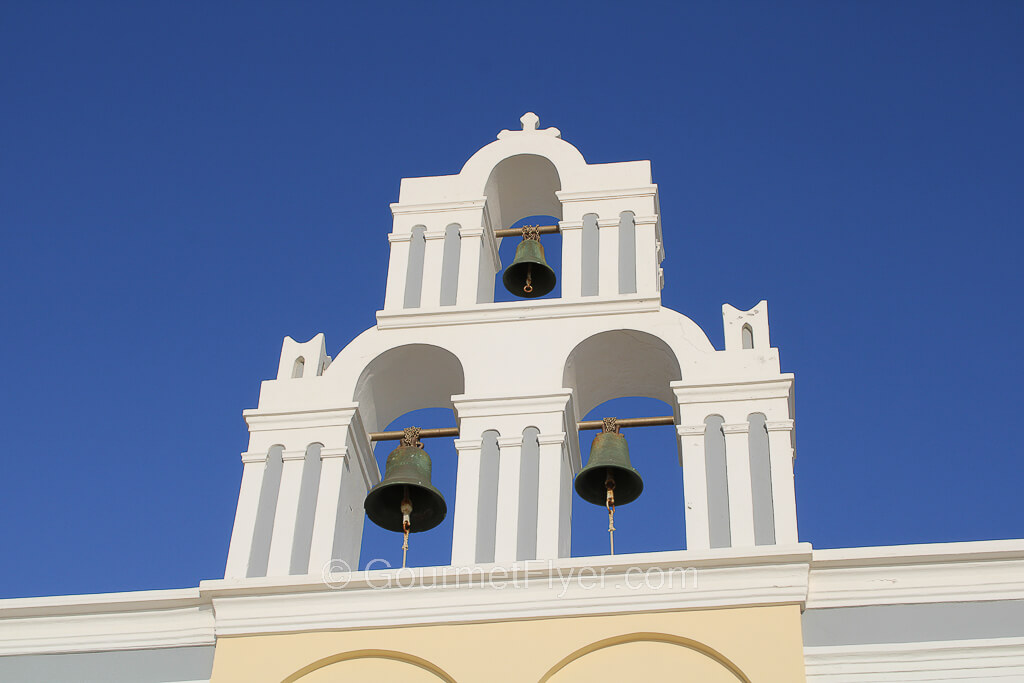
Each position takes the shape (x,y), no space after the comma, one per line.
(184,183)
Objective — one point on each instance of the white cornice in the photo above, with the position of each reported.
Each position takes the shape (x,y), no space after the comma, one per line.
(515,311)
(759,389)
(261,421)
(630,583)
(438,207)
(592,195)
(972,660)
(112,621)
(938,572)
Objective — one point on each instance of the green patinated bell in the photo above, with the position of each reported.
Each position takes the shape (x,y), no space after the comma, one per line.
(609,454)
(529,276)
(406,472)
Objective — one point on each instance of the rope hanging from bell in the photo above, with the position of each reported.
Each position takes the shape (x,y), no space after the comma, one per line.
(609,502)
(406,524)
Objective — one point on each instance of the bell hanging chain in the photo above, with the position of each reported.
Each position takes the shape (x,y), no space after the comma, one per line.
(406,524)
(610,425)
(609,502)
(411,437)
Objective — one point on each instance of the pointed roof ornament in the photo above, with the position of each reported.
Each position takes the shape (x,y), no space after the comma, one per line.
(531,123)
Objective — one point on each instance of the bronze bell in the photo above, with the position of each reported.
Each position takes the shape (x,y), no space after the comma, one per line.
(529,275)
(406,480)
(609,467)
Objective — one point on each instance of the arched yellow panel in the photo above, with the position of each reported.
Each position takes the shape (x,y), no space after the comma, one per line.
(645,656)
(370,665)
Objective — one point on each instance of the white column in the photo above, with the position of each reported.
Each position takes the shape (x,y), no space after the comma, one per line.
(608,268)
(572,259)
(741,496)
(281,541)
(467,502)
(470,254)
(695,486)
(554,487)
(253,467)
(780,452)
(333,468)
(433,263)
(646,255)
(506,541)
(398,266)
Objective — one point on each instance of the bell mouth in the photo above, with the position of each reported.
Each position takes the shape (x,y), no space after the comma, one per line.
(590,486)
(383,505)
(542,280)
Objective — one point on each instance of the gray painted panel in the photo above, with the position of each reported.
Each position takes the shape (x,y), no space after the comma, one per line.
(913,623)
(162,665)
(529,484)
(627,254)
(414,270)
(761,481)
(591,245)
(487,510)
(259,553)
(718,483)
(450,265)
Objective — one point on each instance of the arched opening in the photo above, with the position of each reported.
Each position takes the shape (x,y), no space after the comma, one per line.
(747,334)
(382,549)
(382,665)
(590,246)
(298,367)
(654,521)
(719,530)
(761,480)
(409,386)
(520,186)
(450,265)
(627,373)
(259,552)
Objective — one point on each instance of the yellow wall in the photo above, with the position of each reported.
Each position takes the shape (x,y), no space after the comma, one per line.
(756,644)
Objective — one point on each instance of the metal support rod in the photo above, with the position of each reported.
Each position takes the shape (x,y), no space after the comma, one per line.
(512,232)
(424,434)
(629,422)
(624,422)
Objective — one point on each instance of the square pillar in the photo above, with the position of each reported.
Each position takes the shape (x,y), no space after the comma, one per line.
(572,259)
(470,256)
(647,262)
(283,538)
(254,465)
(695,486)
(398,267)
(554,499)
(780,453)
(741,497)
(433,266)
(507,531)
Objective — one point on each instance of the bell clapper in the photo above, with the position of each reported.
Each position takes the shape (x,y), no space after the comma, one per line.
(406,524)
(609,485)
(528,287)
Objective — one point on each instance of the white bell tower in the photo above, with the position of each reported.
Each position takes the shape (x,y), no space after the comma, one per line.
(442,341)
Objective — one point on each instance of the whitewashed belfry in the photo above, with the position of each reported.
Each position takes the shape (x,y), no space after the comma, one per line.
(309,463)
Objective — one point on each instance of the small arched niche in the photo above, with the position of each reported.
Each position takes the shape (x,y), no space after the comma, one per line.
(620,363)
(407,378)
(520,186)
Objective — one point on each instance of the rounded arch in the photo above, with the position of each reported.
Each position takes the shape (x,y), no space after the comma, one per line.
(390,655)
(522,185)
(406,378)
(618,363)
(648,637)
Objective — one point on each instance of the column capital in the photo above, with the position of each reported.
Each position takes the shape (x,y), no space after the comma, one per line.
(434,235)
(553,438)
(510,441)
(736,428)
(248,457)
(293,455)
(326,453)
(471,232)
(779,426)
(570,225)
(691,430)
(608,222)
(468,444)
(399,237)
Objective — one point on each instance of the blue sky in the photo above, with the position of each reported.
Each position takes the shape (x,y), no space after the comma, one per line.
(182,184)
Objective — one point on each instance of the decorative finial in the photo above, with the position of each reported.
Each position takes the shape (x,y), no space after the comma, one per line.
(531,125)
